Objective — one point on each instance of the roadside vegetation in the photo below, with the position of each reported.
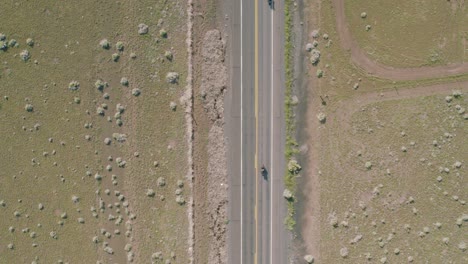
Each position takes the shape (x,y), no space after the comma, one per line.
(291,144)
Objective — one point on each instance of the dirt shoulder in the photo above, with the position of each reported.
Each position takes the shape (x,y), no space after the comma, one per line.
(361,60)
(209,153)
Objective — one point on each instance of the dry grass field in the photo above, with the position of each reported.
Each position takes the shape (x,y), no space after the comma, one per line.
(410,33)
(384,159)
(392,182)
(93,170)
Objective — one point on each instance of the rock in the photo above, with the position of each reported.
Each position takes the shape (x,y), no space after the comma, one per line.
(314,56)
(309,259)
(172,77)
(315,33)
(104,43)
(143,29)
(344,252)
(25,55)
(287,194)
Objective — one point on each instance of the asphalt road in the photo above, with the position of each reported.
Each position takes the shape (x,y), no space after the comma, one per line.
(256,133)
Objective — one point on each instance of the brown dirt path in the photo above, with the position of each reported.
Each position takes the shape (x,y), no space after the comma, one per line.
(348,107)
(361,60)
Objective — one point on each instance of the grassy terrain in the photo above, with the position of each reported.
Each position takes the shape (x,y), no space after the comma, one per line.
(348,139)
(410,33)
(291,144)
(33,170)
(392,203)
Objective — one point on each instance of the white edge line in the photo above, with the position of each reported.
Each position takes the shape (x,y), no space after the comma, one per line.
(241,151)
(271,144)
(271,138)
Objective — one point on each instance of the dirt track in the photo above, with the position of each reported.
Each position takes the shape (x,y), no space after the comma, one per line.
(361,60)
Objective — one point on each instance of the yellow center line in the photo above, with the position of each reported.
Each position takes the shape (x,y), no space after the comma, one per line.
(256,130)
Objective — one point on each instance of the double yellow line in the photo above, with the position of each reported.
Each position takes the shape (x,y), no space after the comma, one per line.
(256,130)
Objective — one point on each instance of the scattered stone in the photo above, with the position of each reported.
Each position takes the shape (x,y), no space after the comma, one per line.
(368,165)
(180,183)
(161,181)
(75,199)
(309,259)
(30,42)
(344,252)
(462,246)
(142,29)
(363,15)
(287,194)
(446,240)
(53,235)
(25,55)
(315,33)
(173,106)
(29,107)
(180,200)
(150,193)
(119,137)
(107,141)
(124,81)
(109,250)
(104,44)
(172,77)
(136,92)
(97,177)
(368,27)
(322,117)
(314,56)
(308,48)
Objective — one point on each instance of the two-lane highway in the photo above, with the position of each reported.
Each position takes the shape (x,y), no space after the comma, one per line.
(256,134)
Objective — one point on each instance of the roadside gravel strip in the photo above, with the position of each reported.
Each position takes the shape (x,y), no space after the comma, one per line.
(187,100)
(213,86)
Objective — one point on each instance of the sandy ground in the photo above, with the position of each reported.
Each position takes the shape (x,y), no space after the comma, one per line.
(310,224)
